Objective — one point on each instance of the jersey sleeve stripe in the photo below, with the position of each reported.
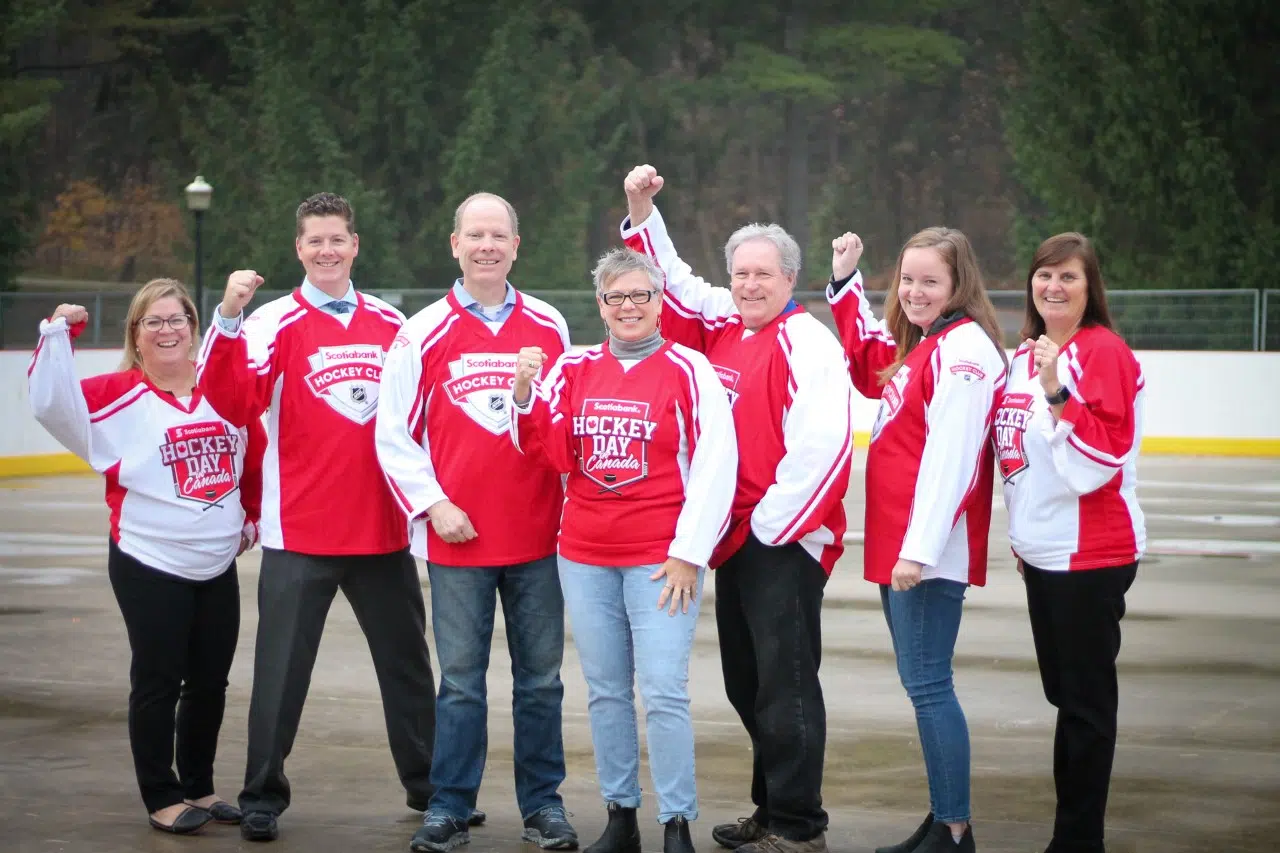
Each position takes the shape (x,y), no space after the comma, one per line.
(842,458)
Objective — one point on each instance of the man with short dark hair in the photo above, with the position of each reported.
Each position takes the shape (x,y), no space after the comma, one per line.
(313,360)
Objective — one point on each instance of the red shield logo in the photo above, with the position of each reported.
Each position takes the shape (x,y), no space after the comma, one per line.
(613,442)
(202,458)
(1008,433)
(891,397)
(729,379)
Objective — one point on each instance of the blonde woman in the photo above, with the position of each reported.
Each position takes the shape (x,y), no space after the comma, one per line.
(183,490)
(936,365)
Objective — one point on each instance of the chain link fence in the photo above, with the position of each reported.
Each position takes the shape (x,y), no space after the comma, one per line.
(1148,319)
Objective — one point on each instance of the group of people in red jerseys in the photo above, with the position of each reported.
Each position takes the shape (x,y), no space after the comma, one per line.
(712,429)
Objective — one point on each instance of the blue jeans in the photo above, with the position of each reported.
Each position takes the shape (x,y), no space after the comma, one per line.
(923,623)
(462,611)
(623,637)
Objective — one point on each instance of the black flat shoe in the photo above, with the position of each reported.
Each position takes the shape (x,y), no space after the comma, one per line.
(189,821)
(225,813)
(259,826)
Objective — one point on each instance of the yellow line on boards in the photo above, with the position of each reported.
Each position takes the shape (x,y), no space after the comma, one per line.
(66,463)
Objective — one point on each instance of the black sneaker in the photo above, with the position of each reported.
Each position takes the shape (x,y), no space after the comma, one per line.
(259,826)
(549,828)
(440,833)
(734,835)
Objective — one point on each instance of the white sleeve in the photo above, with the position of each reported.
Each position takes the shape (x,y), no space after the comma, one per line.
(57,400)
(958,427)
(713,468)
(687,295)
(817,432)
(401,422)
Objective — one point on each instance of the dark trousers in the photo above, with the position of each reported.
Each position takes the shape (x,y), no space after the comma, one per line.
(1075,621)
(768,612)
(294,594)
(182,635)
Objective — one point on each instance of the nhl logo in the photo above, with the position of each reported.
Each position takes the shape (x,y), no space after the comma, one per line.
(202,459)
(479,383)
(347,379)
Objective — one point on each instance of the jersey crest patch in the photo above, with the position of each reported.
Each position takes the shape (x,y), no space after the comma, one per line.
(729,379)
(891,399)
(1009,432)
(202,458)
(479,383)
(613,442)
(347,378)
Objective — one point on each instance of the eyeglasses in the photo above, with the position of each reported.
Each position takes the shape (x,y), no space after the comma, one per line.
(637,297)
(177,322)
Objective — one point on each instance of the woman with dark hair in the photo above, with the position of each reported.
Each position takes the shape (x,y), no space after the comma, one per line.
(184,490)
(937,366)
(1067,435)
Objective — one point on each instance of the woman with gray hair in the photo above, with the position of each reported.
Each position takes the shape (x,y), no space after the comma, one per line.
(643,429)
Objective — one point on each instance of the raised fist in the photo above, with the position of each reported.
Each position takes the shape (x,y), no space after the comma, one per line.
(643,182)
(846,251)
(529,363)
(241,285)
(71,313)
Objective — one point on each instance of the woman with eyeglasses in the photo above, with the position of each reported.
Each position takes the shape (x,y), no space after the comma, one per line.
(643,429)
(184,489)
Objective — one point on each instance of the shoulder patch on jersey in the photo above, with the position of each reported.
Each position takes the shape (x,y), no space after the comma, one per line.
(968,371)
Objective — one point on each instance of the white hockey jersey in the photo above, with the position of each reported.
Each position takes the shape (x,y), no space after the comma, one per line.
(182,483)
(1071,486)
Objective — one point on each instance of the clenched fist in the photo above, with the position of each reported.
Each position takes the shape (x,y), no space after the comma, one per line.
(641,184)
(846,251)
(1044,355)
(529,363)
(241,285)
(450,523)
(71,313)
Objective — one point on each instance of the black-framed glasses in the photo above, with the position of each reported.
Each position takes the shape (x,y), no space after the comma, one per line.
(177,322)
(637,297)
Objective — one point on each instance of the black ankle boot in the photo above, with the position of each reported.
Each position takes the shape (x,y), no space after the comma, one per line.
(675,838)
(621,835)
(914,841)
(938,840)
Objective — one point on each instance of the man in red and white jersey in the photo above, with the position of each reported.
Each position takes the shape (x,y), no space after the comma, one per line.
(792,408)
(312,361)
(442,441)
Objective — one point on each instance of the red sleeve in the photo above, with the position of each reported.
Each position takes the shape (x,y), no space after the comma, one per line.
(251,478)
(544,434)
(1101,408)
(868,344)
(236,384)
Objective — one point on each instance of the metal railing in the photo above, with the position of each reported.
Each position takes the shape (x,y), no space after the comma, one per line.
(1239,320)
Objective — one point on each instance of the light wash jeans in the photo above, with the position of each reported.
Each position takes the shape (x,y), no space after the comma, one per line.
(923,624)
(621,634)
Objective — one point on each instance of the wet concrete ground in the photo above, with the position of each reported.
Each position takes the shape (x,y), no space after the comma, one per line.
(1198,766)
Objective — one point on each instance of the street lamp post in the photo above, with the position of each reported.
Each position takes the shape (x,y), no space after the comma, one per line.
(199,195)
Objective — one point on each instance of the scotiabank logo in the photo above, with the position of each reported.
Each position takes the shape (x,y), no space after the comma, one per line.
(347,378)
(479,383)
(729,379)
(891,399)
(202,459)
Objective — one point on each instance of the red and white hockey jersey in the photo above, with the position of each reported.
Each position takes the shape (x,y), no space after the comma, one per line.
(1071,486)
(323,490)
(930,468)
(183,483)
(792,406)
(649,449)
(443,432)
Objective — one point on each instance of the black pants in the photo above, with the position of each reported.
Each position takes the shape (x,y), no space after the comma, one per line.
(182,635)
(1075,621)
(769,616)
(294,594)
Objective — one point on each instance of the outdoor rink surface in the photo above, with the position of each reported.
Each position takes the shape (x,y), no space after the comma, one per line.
(1197,768)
